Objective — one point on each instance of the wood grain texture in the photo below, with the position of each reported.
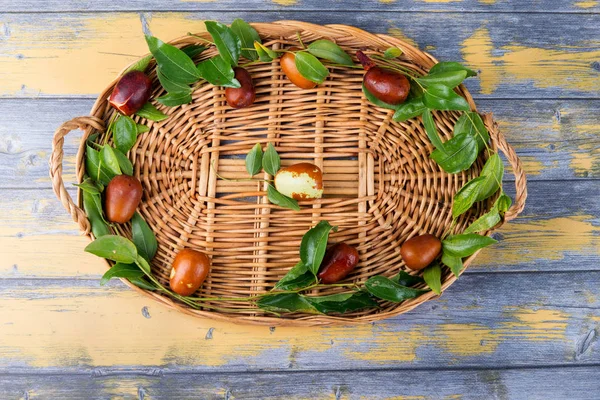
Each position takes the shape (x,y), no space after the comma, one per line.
(520,55)
(516,384)
(558,231)
(556,139)
(499,320)
(466,6)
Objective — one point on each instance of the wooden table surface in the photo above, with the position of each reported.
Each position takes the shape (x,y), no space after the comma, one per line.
(522,323)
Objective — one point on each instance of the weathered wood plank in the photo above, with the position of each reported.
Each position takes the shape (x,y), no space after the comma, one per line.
(556,139)
(547,383)
(558,231)
(466,6)
(493,320)
(521,55)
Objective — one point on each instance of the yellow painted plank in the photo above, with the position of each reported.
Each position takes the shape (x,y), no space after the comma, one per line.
(81,53)
(80,325)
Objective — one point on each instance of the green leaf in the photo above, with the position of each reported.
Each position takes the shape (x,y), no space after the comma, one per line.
(440,97)
(392,52)
(172,86)
(461,152)
(433,277)
(453,262)
(432,132)
(493,172)
(271,161)
(175,99)
(139,65)
(254,160)
(120,270)
(470,123)
(451,79)
(314,244)
(124,133)
(503,203)
(109,159)
(227,42)
(124,163)
(405,279)
(343,302)
(94,168)
(193,50)
(90,186)
(218,72)
(376,101)
(447,66)
(465,244)
(143,283)
(310,67)
(149,111)
(298,277)
(409,109)
(113,247)
(143,237)
(386,289)
(281,200)
(141,128)
(92,205)
(143,264)
(466,196)
(485,222)
(286,302)
(265,54)
(248,36)
(330,51)
(174,63)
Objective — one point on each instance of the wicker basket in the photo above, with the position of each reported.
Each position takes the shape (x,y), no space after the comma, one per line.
(381,187)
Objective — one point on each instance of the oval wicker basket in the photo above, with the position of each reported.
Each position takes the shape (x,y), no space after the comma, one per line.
(381,186)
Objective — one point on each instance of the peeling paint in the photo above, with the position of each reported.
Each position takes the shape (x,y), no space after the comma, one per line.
(549,239)
(586,4)
(543,67)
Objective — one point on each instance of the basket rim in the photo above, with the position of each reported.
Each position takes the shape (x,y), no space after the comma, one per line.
(309,320)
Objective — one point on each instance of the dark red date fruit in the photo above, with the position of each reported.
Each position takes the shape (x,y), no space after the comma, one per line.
(190,269)
(123,195)
(340,259)
(420,251)
(243,96)
(131,92)
(386,85)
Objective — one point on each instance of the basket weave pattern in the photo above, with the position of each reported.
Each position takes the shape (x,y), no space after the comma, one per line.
(381,187)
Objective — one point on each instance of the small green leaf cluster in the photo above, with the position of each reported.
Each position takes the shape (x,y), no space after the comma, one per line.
(270,162)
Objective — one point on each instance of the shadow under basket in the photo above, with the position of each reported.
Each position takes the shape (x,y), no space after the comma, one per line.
(381,187)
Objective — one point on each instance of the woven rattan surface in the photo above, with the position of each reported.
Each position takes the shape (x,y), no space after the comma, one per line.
(381,187)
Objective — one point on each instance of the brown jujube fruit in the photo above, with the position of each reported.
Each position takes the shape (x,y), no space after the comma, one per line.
(190,269)
(420,251)
(340,259)
(243,96)
(386,85)
(131,92)
(123,195)
(288,65)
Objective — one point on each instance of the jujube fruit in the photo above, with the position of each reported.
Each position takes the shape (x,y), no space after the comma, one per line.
(300,181)
(288,65)
(131,92)
(340,259)
(243,96)
(123,195)
(386,85)
(190,269)
(420,251)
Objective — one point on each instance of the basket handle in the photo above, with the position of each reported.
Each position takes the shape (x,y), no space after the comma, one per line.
(516,165)
(56,166)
